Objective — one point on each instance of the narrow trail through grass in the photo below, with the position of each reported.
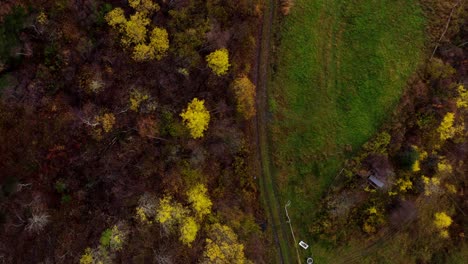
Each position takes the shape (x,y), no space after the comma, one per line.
(341,67)
(267,184)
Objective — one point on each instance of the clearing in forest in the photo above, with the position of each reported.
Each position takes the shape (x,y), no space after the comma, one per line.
(341,68)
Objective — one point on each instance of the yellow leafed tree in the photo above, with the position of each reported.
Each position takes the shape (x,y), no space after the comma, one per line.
(134,31)
(169,212)
(462,100)
(442,220)
(188,230)
(222,247)
(116,18)
(159,42)
(447,129)
(199,200)
(245,93)
(404,184)
(87,257)
(156,49)
(218,61)
(196,118)
(144,6)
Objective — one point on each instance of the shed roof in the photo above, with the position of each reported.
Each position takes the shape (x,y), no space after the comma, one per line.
(376,181)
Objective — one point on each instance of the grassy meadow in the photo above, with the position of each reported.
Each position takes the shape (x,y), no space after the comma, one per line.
(341,67)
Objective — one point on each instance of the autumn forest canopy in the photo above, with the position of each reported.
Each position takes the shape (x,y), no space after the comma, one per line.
(176,131)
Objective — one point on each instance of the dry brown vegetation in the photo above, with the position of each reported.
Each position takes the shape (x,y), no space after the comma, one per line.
(86,132)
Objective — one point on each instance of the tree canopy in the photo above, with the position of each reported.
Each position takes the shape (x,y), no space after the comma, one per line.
(218,61)
(196,117)
(198,198)
(245,93)
(134,31)
(222,246)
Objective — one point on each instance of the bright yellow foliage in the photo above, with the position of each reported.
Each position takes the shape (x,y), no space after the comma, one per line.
(142,217)
(222,246)
(142,52)
(372,210)
(134,31)
(446,128)
(245,92)
(165,210)
(442,220)
(444,168)
(172,213)
(87,257)
(416,166)
(169,212)
(218,61)
(188,231)
(422,156)
(156,49)
(196,118)
(462,100)
(404,184)
(159,42)
(116,17)
(199,200)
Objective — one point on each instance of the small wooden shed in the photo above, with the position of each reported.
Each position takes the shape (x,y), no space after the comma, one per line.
(374,181)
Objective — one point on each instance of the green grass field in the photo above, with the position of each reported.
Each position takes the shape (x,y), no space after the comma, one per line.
(341,68)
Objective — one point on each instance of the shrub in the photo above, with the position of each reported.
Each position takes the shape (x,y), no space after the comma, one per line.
(285,6)
(378,144)
(112,238)
(87,257)
(407,158)
(437,69)
(60,186)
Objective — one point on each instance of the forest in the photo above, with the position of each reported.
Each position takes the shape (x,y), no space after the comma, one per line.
(228,131)
(125,132)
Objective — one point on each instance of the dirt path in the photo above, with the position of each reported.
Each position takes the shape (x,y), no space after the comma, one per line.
(273,208)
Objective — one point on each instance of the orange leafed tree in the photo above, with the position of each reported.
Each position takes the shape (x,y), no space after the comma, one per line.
(245,92)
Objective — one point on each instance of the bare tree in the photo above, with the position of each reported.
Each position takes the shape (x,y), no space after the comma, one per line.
(37,222)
